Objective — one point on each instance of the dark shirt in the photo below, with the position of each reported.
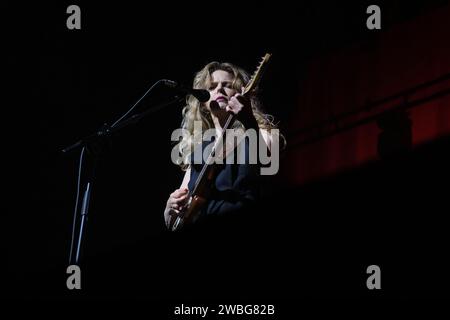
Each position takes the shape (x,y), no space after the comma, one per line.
(236,186)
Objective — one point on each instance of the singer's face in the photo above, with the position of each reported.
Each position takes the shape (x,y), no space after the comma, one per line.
(220,89)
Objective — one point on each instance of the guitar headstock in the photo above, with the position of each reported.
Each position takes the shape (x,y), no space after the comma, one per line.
(256,77)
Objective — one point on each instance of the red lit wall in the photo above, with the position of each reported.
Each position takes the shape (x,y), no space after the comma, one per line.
(409,54)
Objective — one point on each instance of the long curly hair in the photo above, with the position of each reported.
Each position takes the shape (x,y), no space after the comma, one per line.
(194,111)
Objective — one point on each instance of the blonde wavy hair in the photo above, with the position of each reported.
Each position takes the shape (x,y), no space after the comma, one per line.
(196,111)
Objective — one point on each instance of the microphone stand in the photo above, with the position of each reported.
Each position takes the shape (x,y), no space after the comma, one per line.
(94,145)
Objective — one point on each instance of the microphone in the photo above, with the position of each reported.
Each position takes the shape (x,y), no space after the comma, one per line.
(201,95)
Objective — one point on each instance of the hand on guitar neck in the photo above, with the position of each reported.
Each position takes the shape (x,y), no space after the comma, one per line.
(239,106)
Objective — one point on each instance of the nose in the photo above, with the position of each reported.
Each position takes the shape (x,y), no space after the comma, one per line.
(220,88)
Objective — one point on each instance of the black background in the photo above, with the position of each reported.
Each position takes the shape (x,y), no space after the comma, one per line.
(314,241)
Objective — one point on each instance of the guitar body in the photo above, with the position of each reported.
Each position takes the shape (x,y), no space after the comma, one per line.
(198,197)
(196,201)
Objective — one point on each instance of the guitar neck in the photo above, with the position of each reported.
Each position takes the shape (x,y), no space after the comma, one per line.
(209,161)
